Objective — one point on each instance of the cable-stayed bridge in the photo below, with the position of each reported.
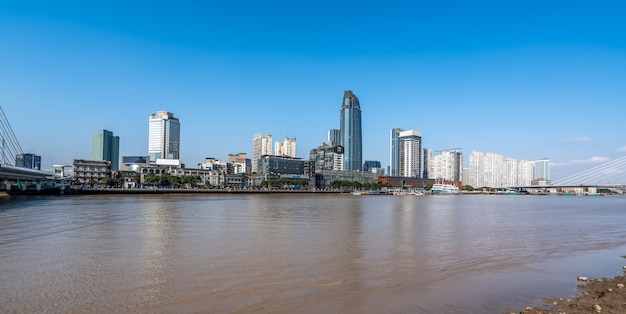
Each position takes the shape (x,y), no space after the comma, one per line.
(9,149)
(607,174)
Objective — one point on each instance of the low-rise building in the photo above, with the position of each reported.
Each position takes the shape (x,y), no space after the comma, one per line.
(91,172)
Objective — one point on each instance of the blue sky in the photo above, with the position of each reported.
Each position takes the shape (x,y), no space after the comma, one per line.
(525,79)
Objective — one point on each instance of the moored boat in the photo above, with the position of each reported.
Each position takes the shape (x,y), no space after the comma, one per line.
(443,189)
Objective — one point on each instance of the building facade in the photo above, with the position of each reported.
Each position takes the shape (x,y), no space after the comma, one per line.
(541,169)
(106,146)
(446,165)
(334,137)
(28,160)
(327,157)
(394,153)
(240,163)
(351,132)
(163,136)
(270,164)
(261,145)
(410,154)
(91,172)
(285,148)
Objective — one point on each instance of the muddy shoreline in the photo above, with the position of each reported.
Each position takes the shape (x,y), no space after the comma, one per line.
(604,295)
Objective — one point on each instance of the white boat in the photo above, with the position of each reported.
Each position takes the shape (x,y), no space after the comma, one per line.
(441,189)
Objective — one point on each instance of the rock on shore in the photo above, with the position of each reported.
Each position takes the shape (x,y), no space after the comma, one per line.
(598,296)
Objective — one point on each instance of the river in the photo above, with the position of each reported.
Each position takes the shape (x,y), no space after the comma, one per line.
(302,253)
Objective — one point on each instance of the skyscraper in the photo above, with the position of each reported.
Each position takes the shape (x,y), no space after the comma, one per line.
(106,146)
(350,132)
(261,145)
(163,136)
(394,151)
(410,154)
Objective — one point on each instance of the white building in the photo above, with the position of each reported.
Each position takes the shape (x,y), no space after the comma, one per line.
(163,136)
(410,154)
(475,171)
(261,145)
(524,173)
(541,169)
(493,165)
(446,165)
(509,172)
(285,148)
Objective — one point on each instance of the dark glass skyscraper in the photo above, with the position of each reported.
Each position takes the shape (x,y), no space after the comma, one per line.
(350,132)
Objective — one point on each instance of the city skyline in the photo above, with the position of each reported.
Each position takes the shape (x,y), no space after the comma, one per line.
(478,77)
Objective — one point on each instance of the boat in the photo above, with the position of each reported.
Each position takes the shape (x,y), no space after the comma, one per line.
(444,189)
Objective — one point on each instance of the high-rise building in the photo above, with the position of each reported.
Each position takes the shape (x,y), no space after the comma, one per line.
(334,137)
(394,151)
(350,132)
(163,136)
(285,148)
(541,169)
(524,172)
(493,165)
(106,146)
(446,165)
(28,160)
(410,154)
(476,176)
(261,145)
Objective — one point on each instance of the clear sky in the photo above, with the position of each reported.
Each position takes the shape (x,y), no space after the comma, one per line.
(525,79)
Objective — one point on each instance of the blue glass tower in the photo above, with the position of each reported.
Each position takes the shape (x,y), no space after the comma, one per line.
(394,153)
(350,132)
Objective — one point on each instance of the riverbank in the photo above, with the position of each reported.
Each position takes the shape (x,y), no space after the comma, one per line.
(597,296)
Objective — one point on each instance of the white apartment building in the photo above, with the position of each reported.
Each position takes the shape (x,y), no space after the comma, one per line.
(285,148)
(475,171)
(493,170)
(446,165)
(509,172)
(524,172)
(261,145)
(410,153)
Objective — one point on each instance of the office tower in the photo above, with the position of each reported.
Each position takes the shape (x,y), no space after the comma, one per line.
(350,132)
(394,151)
(334,137)
(163,136)
(285,148)
(410,154)
(261,145)
(541,169)
(106,146)
(29,161)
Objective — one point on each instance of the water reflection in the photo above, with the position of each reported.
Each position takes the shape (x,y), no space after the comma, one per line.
(311,254)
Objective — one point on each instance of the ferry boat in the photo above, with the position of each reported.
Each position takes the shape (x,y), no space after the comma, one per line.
(442,188)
